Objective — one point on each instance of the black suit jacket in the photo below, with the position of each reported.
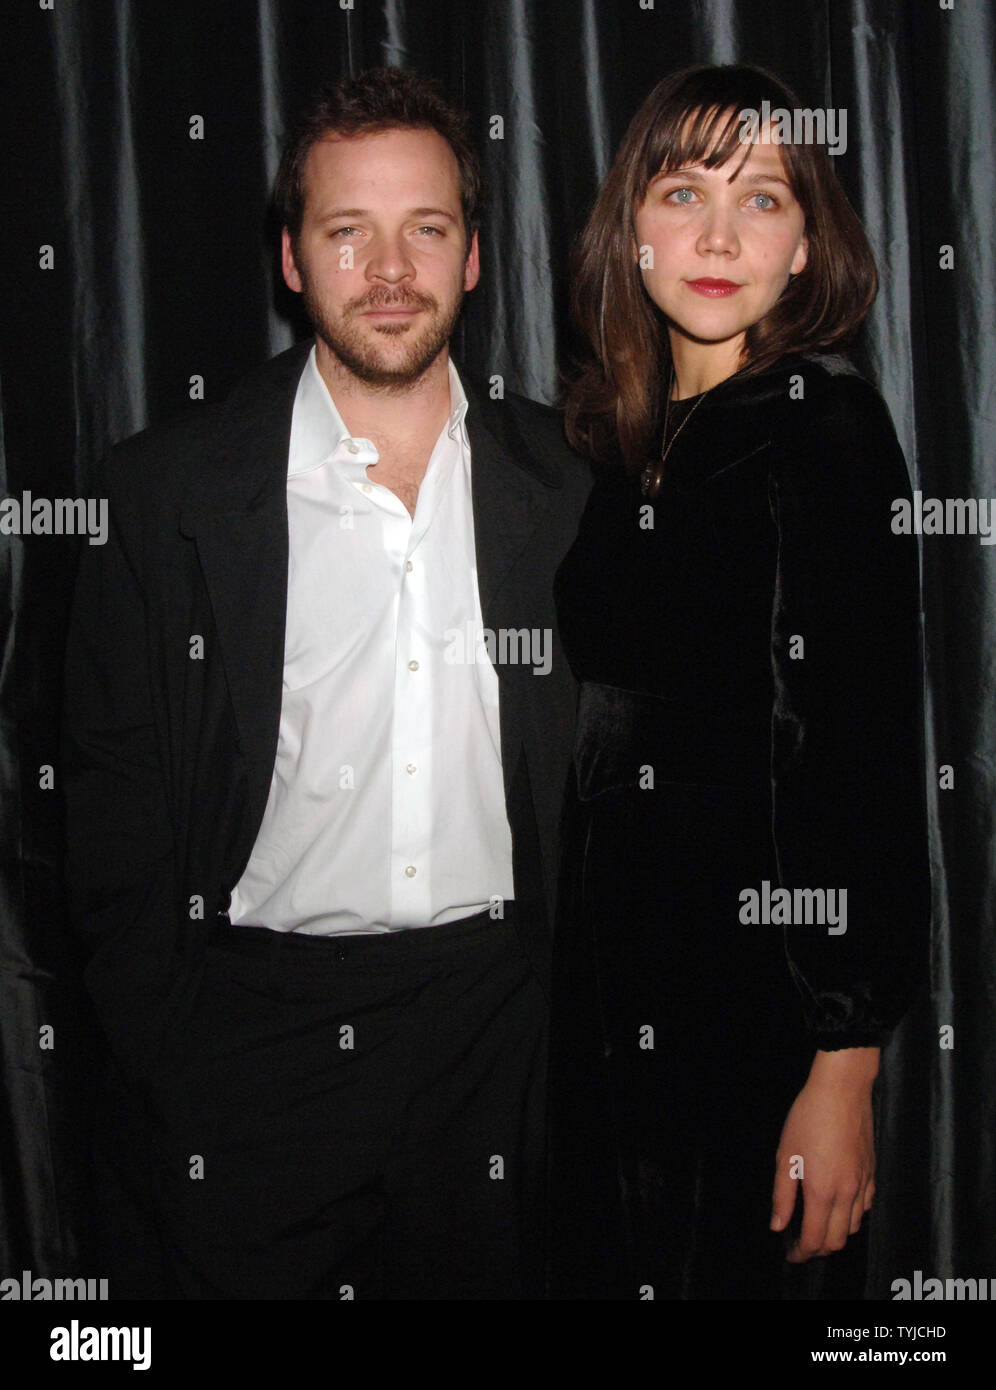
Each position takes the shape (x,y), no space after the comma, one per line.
(174,676)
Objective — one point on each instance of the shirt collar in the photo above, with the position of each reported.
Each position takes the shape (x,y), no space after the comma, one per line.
(318,430)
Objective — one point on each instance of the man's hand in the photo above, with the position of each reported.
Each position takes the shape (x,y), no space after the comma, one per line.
(830,1128)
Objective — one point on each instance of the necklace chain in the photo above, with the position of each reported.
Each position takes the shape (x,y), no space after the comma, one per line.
(667,445)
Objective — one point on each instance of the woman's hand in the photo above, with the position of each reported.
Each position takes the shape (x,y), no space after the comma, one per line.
(830,1128)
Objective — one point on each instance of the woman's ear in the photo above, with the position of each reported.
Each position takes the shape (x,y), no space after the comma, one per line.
(801,257)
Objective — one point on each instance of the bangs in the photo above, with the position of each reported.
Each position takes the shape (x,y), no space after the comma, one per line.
(696,117)
(708,135)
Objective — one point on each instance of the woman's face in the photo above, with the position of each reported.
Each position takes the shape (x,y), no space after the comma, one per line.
(722,252)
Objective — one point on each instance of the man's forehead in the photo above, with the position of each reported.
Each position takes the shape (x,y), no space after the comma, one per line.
(398,143)
(392,163)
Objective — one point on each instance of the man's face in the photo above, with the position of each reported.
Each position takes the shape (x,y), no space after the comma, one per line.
(382,260)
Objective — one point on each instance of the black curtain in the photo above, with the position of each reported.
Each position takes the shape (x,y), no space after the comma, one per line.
(136,268)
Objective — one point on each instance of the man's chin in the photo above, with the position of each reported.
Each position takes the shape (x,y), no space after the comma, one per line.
(386,372)
(389,356)
(399,365)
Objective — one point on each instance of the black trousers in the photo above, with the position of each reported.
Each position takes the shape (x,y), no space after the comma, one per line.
(348,1117)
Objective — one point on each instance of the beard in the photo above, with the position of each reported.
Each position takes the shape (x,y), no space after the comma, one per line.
(347,341)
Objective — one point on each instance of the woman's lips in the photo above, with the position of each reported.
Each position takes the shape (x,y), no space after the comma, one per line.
(713,289)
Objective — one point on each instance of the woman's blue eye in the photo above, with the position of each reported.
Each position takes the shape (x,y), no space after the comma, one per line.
(677,191)
(770,202)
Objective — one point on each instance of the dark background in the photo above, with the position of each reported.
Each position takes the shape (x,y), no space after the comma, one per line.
(162,272)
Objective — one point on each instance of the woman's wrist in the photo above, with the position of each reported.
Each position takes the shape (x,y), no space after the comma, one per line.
(854,1067)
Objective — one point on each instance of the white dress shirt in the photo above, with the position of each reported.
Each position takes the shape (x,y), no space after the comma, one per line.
(386,807)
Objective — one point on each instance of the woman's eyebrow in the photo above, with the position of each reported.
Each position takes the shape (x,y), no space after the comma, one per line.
(695,175)
(765,178)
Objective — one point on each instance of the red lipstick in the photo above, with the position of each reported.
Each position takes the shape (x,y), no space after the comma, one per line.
(713,289)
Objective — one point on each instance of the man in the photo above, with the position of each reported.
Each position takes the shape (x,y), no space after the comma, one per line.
(312,826)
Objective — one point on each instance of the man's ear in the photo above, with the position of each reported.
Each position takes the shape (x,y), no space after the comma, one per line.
(288,265)
(472,268)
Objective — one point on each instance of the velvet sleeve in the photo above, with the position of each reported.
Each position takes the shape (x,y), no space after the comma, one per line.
(847,763)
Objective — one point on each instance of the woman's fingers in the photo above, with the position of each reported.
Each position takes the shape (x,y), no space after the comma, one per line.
(815,1218)
(783,1196)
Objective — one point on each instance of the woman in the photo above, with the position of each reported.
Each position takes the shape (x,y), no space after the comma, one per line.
(743,624)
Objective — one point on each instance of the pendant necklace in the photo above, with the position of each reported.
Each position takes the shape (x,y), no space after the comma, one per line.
(666,445)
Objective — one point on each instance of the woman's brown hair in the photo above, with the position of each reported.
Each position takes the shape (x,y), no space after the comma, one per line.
(694,117)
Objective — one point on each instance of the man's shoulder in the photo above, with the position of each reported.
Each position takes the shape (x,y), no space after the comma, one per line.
(529,429)
(160,457)
(166,457)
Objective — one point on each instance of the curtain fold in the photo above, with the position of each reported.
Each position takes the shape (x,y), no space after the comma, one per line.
(142,141)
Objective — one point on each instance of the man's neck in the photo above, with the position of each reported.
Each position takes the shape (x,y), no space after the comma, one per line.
(385,414)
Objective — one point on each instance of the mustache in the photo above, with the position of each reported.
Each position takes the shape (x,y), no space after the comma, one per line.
(383,298)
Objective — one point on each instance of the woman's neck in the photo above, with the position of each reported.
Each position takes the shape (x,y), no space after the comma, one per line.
(700,366)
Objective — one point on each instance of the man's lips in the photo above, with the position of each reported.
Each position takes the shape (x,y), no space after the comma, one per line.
(713,289)
(393,311)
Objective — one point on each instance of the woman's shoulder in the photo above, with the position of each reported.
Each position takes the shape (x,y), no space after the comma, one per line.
(811,385)
(832,424)
(800,398)
(804,393)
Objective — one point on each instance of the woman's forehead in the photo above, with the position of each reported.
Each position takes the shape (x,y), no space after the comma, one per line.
(713,138)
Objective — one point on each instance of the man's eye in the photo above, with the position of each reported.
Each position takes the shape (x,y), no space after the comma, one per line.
(436,231)
(345,231)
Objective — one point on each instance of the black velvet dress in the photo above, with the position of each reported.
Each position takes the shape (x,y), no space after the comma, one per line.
(747,647)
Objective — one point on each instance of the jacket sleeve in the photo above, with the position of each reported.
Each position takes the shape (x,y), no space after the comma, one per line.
(847,736)
(120,860)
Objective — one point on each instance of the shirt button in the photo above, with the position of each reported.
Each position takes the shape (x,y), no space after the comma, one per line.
(409,566)
(367,487)
(410,871)
(411,769)
(353,447)
(413,665)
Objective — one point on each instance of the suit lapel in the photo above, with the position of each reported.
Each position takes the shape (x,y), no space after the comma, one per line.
(511,488)
(237,513)
(238,516)
(511,491)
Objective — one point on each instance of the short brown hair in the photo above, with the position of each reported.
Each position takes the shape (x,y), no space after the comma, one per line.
(694,117)
(376,100)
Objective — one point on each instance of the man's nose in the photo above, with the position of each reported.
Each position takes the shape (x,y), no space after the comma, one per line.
(389,260)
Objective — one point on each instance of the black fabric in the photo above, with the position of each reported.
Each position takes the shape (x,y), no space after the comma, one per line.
(168,761)
(715,754)
(162,279)
(344,1117)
